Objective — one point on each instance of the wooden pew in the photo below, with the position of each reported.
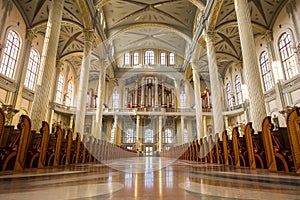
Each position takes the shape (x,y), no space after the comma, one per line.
(211,146)
(13,156)
(239,149)
(78,148)
(2,124)
(249,144)
(293,125)
(276,146)
(70,147)
(45,131)
(54,148)
(226,149)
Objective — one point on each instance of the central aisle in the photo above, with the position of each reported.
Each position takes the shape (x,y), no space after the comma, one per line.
(148,178)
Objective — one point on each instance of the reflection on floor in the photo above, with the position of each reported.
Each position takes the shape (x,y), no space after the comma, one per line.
(148,178)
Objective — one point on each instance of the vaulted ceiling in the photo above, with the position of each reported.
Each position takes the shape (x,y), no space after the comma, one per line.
(137,24)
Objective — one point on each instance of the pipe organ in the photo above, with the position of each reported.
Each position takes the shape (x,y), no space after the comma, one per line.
(150,92)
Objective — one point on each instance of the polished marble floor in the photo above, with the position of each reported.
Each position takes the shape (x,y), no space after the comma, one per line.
(148,178)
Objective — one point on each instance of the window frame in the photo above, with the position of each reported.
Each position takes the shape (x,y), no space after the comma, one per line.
(31,75)
(287,56)
(10,54)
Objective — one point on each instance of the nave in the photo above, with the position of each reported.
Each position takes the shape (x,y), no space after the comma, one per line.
(148,178)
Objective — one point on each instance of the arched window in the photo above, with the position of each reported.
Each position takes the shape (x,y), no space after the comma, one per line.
(60,89)
(149,57)
(266,71)
(69,94)
(127,59)
(115,99)
(287,56)
(185,136)
(168,136)
(149,136)
(136,58)
(163,58)
(182,99)
(129,136)
(229,97)
(10,55)
(32,70)
(172,59)
(238,89)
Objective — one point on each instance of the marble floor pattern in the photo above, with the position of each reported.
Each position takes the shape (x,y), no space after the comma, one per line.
(148,178)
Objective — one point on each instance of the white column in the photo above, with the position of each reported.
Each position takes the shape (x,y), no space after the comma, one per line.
(182,130)
(250,64)
(198,100)
(143,93)
(159,133)
(156,92)
(101,88)
(162,94)
(83,82)
(138,137)
(187,94)
(135,100)
(7,6)
(204,126)
(216,95)
(48,63)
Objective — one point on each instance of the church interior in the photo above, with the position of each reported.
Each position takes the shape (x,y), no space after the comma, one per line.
(157,99)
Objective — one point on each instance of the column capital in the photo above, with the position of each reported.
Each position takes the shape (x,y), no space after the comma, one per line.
(210,36)
(196,65)
(89,35)
(268,36)
(30,35)
(59,65)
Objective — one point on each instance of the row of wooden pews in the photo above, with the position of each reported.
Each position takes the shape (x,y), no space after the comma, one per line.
(276,149)
(25,148)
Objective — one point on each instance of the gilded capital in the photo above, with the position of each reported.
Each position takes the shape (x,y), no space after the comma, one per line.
(89,35)
(268,36)
(30,34)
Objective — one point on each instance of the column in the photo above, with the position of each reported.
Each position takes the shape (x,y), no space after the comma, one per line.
(291,8)
(159,133)
(71,121)
(83,82)
(226,122)
(163,104)
(143,93)
(126,98)
(5,11)
(189,129)
(187,94)
(204,126)
(182,130)
(216,94)
(101,88)
(47,67)
(108,130)
(176,95)
(135,102)
(117,131)
(198,100)
(156,92)
(93,125)
(138,137)
(250,64)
